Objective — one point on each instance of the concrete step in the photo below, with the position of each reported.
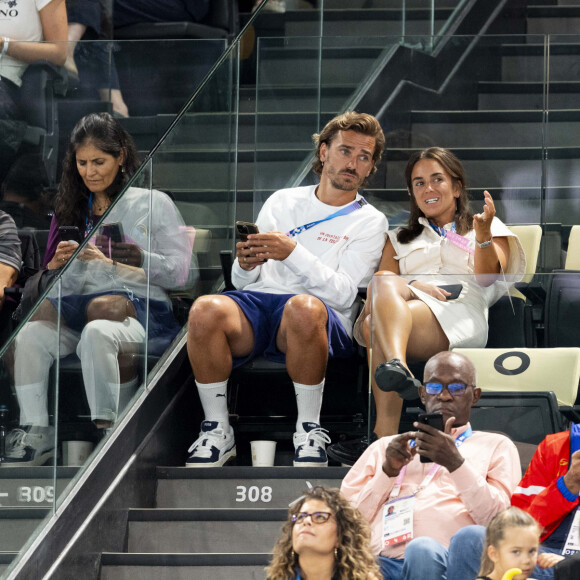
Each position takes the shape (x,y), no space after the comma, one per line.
(349,20)
(121,566)
(17,525)
(297,62)
(527,62)
(295,98)
(6,559)
(366,4)
(209,530)
(367,22)
(239,487)
(518,128)
(527,95)
(553,19)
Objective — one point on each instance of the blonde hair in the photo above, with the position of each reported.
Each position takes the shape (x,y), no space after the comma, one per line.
(512,517)
(362,123)
(354,559)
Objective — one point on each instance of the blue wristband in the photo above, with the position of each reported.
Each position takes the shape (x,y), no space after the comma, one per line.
(564,490)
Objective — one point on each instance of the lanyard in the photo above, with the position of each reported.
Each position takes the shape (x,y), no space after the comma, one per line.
(453,237)
(434,469)
(442,231)
(89,224)
(344,211)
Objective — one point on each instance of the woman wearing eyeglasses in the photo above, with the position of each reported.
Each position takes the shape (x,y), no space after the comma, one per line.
(324,538)
(413,317)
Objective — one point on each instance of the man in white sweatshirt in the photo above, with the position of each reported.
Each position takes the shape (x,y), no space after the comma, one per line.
(297,284)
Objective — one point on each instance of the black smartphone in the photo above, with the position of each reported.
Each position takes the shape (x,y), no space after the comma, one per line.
(113,231)
(70,233)
(455,290)
(435,420)
(244,229)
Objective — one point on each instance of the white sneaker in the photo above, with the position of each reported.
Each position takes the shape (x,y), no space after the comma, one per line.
(29,446)
(213,448)
(278,6)
(310,446)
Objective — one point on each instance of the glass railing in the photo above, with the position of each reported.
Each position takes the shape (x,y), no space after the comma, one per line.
(136,273)
(237,140)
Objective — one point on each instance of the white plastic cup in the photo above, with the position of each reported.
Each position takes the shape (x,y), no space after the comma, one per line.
(75,453)
(263,453)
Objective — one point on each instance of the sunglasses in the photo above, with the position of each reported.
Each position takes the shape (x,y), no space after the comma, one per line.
(455,389)
(315,517)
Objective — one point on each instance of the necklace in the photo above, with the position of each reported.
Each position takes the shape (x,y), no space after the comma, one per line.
(104,206)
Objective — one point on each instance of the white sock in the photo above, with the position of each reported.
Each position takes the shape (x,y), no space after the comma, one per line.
(214,401)
(33,401)
(308,401)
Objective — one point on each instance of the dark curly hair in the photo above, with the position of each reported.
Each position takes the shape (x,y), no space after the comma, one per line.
(354,558)
(106,133)
(350,121)
(452,165)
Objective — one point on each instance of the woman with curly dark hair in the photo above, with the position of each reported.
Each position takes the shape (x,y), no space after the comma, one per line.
(326,538)
(112,297)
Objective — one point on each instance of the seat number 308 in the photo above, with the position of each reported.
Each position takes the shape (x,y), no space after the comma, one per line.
(253,493)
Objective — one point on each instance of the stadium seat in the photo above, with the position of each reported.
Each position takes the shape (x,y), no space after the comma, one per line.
(525,417)
(510,318)
(42,82)
(573,254)
(528,370)
(220,22)
(562,310)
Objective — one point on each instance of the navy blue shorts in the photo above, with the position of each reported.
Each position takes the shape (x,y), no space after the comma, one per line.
(264,311)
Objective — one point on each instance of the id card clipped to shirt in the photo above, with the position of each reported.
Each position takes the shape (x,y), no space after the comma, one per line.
(398,520)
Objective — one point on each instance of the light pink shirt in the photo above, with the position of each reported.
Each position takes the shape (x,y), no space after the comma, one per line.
(472,494)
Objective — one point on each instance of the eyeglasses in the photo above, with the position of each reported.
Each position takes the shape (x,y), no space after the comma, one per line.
(454,389)
(315,517)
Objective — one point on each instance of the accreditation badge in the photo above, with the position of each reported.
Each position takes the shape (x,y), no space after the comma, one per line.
(572,544)
(398,521)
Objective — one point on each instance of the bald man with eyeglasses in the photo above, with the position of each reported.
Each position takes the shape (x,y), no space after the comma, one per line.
(442,502)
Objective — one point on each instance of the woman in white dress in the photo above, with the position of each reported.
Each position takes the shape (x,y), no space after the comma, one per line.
(413,318)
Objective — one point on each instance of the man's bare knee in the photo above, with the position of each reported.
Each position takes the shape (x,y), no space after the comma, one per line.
(303,313)
(209,314)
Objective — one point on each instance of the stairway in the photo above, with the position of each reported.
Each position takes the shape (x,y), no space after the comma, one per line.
(26,498)
(217,523)
(486,115)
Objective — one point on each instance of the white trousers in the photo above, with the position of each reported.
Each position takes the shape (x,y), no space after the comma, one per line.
(97,346)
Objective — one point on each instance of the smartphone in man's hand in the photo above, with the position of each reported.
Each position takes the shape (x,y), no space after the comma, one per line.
(434,420)
(244,229)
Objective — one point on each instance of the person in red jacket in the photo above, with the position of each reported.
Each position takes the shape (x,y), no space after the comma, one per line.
(549,492)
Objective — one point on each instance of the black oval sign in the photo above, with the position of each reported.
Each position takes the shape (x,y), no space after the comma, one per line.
(524,363)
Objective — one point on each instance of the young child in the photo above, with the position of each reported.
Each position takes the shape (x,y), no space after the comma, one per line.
(511,542)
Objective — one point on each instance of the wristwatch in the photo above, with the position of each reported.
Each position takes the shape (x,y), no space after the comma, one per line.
(485,244)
